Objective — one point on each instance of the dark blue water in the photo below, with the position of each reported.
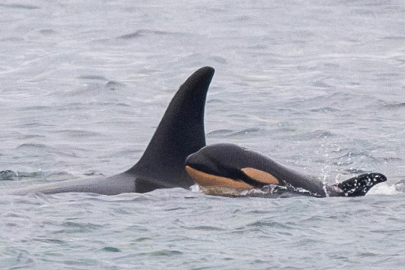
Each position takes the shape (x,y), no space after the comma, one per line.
(316,85)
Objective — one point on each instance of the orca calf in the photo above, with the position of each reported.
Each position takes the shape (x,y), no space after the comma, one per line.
(227,169)
(179,134)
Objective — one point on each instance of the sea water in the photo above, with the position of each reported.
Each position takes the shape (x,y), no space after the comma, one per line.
(315,85)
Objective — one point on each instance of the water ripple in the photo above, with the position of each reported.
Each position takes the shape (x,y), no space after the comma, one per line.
(19,6)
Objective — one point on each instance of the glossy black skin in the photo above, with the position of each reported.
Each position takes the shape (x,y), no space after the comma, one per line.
(227,160)
(180,133)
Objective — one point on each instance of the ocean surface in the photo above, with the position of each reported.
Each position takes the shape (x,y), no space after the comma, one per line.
(318,86)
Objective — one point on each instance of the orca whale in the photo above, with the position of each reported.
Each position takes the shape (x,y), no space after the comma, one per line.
(227,169)
(179,134)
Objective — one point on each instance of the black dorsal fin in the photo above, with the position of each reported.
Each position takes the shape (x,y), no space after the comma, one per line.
(179,134)
(360,185)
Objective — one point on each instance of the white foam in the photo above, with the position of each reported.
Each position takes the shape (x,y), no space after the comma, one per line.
(384,189)
(195,188)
